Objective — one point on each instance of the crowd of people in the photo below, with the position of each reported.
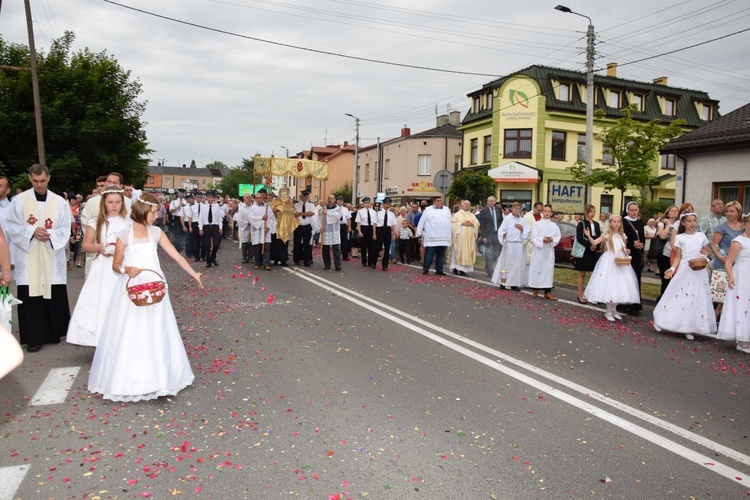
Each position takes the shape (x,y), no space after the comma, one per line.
(117,230)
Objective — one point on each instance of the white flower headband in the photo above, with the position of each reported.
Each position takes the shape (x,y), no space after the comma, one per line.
(685,214)
(148,202)
(112,189)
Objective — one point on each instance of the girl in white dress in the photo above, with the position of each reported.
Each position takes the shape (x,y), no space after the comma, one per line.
(735,322)
(686,307)
(612,284)
(99,239)
(140,355)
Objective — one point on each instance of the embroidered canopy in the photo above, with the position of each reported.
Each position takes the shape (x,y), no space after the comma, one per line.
(296,167)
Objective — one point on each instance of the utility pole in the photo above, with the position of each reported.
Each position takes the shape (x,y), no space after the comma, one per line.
(35,85)
(356,160)
(590,52)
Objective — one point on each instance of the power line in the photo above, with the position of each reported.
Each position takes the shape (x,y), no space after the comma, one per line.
(683,48)
(297,47)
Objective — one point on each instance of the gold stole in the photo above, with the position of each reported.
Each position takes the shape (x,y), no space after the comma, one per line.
(39,259)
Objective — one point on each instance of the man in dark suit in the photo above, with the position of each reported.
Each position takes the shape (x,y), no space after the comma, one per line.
(490,219)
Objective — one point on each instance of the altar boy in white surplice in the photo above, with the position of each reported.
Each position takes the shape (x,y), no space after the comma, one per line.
(38,223)
(544,236)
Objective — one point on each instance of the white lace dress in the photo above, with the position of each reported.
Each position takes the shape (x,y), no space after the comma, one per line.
(610,283)
(735,317)
(93,302)
(685,306)
(140,355)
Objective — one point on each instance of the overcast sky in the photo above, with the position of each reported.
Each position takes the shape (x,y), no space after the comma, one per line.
(218,96)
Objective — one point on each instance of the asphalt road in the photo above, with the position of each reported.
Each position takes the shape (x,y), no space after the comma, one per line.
(372,384)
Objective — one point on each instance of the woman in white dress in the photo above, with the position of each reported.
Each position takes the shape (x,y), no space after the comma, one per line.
(140,355)
(735,322)
(544,236)
(686,307)
(612,284)
(99,240)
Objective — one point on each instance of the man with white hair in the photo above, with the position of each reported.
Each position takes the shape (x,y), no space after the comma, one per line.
(464,227)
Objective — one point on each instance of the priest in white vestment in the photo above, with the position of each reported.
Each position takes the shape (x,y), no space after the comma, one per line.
(330,233)
(465,229)
(544,236)
(243,225)
(38,223)
(509,270)
(435,228)
(262,223)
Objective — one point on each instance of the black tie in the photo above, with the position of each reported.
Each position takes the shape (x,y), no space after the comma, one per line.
(303,209)
(385,219)
(369,221)
(210,215)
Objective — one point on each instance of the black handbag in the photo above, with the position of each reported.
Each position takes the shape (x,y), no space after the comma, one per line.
(657,245)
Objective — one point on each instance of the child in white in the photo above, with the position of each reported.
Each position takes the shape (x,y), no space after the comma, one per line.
(513,232)
(140,355)
(544,236)
(685,307)
(86,323)
(612,284)
(404,238)
(735,322)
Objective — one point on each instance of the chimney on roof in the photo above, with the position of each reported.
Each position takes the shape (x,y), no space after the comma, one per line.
(455,118)
(184,165)
(442,120)
(346,143)
(612,69)
(405,132)
(662,80)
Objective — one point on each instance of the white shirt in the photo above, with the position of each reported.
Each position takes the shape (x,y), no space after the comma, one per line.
(216,215)
(304,206)
(345,215)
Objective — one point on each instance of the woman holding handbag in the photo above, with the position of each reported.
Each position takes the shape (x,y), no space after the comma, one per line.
(666,228)
(722,238)
(586,261)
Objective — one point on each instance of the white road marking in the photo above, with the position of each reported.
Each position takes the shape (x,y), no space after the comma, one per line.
(704,461)
(10,479)
(56,386)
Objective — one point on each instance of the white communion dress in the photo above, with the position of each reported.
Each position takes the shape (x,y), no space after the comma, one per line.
(93,302)
(735,317)
(685,306)
(610,283)
(140,355)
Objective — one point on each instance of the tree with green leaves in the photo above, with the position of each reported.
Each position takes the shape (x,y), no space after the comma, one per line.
(472,185)
(241,174)
(91,115)
(220,164)
(634,147)
(344,190)
(193,164)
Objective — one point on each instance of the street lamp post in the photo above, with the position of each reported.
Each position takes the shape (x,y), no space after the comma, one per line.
(285,149)
(356,160)
(589,94)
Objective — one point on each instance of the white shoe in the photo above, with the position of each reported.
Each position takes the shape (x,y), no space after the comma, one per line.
(689,337)
(743,349)
(609,316)
(657,328)
(616,316)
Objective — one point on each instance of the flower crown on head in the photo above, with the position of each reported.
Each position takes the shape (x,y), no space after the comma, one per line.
(148,202)
(112,189)
(685,214)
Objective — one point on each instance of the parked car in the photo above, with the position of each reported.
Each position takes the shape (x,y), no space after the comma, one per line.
(565,246)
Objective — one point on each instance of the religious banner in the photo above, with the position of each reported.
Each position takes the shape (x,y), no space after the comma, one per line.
(296,167)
